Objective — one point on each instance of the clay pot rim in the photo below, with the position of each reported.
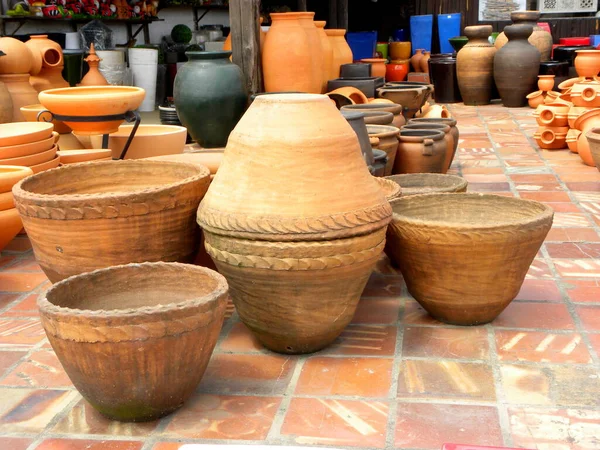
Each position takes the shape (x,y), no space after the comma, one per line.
(292,15)
(439,180)
(525,15)
(291,98)
(382,131)
(586,115)
(534,94)
(434,126)
(546,76)
(373,60)
(320,23)
(592,135)
(588,51)
(23,195)
(376,106)
(18,172)
(335,31)
(398,62)
(163,130)
(392,189)
(210,299)
(449,120)
(411,136)
(545,213)
(102,92)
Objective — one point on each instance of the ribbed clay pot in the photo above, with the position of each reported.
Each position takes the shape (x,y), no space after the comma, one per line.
(420,151)
(326,54)
(552,115)
(586,94)
(21,93)
(428,183)
(516,66)
(453,132)
(342,54)
(387,137)
(210,97)
(593,138)
(540,38)
(135,340)
(551,138)
(295,273)
(587,63)
(447,137)
(87,216)
(393,108)
(50,75)
(475,66)
(378,117)
(464,256)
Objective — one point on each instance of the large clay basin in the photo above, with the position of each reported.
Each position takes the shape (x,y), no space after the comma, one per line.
(410,97)
(464,256)
(593,138)
(135,340)
(87,216)
(30,112)
(88,101)
(428,183)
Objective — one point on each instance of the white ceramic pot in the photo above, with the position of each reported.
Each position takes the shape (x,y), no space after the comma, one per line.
(143,63)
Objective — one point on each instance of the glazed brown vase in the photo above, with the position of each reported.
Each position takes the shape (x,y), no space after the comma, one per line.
(296,253)
(421,151)
(475,66)
(540,38)
(516,66)
(453,131)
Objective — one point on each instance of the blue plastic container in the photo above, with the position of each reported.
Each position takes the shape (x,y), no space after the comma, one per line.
(448,27)
(362,44)
(595,40)
(400,35)
(421,28)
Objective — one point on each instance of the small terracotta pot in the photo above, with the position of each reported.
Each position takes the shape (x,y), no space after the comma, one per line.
(453,131)
(393,108)
(424,62)
(572,139)
(388,142)
(18,58)
(435,111)
(378,117)
(551,138)
(553,115)
(399,50)
(551,97)
(447,137)
(415,60)
(421,151)
(347,95)
(546,82)
(587,63)
(535,99)
(377,66)
(593,138)
(396,70)
(586,94)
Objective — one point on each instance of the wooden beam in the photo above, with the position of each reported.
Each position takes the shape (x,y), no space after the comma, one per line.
(302,5)
(333,20)
(342,16)
(244,18)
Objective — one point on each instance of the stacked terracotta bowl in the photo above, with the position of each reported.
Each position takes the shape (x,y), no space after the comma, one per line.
(10,221)
(29,144)
(84,155)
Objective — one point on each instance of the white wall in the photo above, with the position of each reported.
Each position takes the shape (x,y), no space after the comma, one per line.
(171,16)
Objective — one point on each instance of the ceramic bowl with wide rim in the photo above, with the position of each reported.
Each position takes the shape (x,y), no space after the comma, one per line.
(16,151)
(10,175)
(31,160)
(17,133)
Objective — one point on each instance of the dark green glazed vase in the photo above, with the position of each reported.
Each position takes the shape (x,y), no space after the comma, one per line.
(210,97)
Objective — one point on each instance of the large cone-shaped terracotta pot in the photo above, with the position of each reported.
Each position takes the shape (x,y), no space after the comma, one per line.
(540,38)
(296,251)
(464,256)
(475,66)
(82,217)
(135,339)
(292,58)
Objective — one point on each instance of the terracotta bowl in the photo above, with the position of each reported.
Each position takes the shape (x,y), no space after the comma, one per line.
(30,112)
(18,133)
(16,151)
(53,163)
(10,225)
(92,101)
(428,183)
(82,217)
(31,160)
(10,175)
(77,156)
(464,256)
(152,325)
(209,158)
(391,190)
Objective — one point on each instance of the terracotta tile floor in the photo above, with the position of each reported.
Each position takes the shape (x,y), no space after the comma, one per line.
(396,378)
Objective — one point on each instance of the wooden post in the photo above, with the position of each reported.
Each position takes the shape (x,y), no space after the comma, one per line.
(342,16)
(244,17)
(302,5)
(333,20)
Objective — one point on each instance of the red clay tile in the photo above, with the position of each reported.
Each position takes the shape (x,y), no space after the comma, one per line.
(336,422)
(545,196)
(414,314)
(481,170)
(40,370)
(88,444)
(440,342)
(25,264)
(552,316)
(577,268)
(590,317)
(377,310)
(240,339)
(19,333)
(429,425)
(580,177)
(446,380)
(383,285)
(6,299)
(6,259)
(20,281)
(570,220)
(533,178)
(572,250)
(14,443)
(540,290)
(363,377)
(572,235)
(224,417)
(554,428)
(588,186)
(167,446)
(526,384)
(539,269)
(25,308)
(248,374)
(7,359)
(488,187)
(563,207)
(485,178)
(583,290)
(595,341)
(536,346)
(364,340)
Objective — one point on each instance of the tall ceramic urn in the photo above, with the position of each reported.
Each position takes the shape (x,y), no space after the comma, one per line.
(540,38)
(475,66)
(296,246)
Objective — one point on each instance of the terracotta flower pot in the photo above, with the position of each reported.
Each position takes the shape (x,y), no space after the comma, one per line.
(151,325)
(397,70)
(394,108)
(415,60)
(453,131)
(587,63)
(424,62)
(21,93)
(400,50)
(387,141)
(50,75)
(586,94)
(435,112)
(412,98)
(553,115)
(445,128)
(429,183)
(377,66)
(342,54)
(347,95)
(540,38)
(474,66)
(585,123)
(545,82)
(87,216)
(535,99)
(420,151)
(593,138)
(484,243)
(18,58)
(295,274)
(572,139)
(551,138)
(326,53)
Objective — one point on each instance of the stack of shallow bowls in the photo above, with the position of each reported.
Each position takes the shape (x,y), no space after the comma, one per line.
(10,222)
(168,115)
(29,144)
(84,155)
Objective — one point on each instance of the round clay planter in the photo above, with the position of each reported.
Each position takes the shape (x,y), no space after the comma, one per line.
(587,63)
(10,225)
(420,151)
(447,137)
(388,142)
(545,82)
(572,139)
(540,38)
(553,115)
(551,138)
(347,95)
(585,94)
(210,97)
(378,117)
(92,101)
(87,216)
(516,66)
(296,274)
(391,107)
(584,123)
(342,54)
(484,243)
(50,75)
(412,98)
(151,325)
(30,113)
(593,138)
(377,66)
(453,131)
(18,58)
(429,183)
(474,66)
(535,99)
(400,50)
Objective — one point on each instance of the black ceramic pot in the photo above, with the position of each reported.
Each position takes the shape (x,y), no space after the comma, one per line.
(443,76)
(357,122)
(355,70)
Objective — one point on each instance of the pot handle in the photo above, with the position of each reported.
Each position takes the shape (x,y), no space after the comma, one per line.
(374,141)
(589,94)
(427,147)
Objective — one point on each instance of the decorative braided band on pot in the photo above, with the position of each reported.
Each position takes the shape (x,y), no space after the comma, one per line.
(464,256)
(87,216)
(135,340)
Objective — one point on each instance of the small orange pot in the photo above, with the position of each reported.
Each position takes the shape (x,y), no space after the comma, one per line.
(535,99)
(377,66)
(546,82)
(396,70)
(347,95)
(553,115)
(551,138)
(587,63)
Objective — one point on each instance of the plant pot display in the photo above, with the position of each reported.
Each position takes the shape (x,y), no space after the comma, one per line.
(88,216)
(428,183)
(485,244)
(135,339)
(295,274)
